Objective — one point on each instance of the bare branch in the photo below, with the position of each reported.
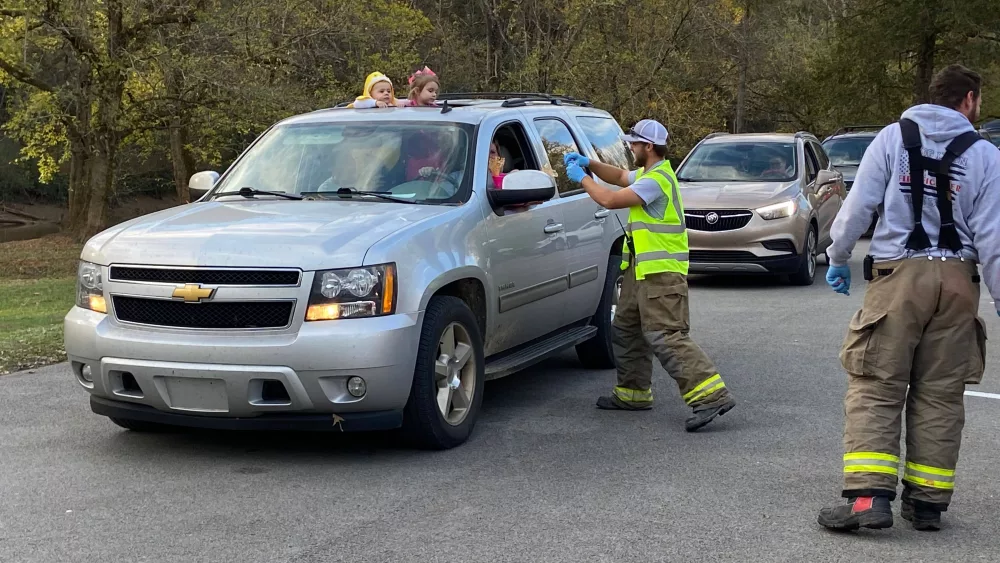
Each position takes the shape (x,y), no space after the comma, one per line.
(175,18)
(25,76)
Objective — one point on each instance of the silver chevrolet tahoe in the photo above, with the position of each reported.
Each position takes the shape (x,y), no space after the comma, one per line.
(357,270)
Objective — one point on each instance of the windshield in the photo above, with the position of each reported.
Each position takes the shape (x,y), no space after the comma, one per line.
(847,151)
(768,161)
(413,161)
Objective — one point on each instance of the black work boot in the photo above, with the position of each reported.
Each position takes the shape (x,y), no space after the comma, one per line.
(860,512)
(703,416)
(924,516)
(613,403)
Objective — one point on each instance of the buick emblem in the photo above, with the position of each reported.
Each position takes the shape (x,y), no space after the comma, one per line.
(712,218)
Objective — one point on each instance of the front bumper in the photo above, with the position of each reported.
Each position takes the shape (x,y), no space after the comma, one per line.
(761,247)
(197,376)
(352,422)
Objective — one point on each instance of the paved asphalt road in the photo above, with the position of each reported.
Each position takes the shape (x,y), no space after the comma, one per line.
(546,477)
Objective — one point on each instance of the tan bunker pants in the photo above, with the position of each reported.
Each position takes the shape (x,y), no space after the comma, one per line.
(918,327)
(652,318)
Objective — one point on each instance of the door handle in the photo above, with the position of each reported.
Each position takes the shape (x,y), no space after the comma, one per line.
(602,214)
(553,228)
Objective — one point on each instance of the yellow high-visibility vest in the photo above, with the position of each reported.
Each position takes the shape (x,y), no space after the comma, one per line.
(661,245)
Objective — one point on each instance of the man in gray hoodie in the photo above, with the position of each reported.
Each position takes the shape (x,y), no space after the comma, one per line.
(917,339)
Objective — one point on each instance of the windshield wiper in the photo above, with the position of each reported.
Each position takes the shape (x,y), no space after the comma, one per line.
(249,193)
(351,192)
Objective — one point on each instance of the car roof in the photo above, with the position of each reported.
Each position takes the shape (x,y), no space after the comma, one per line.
(715,138)
(853,135)
(461,108)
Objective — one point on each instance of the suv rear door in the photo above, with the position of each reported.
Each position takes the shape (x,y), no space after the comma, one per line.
(586,222)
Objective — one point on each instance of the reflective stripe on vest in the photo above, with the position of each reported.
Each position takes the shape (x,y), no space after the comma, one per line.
(661,245)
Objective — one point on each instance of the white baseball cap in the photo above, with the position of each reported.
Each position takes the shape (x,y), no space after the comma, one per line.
(647,131)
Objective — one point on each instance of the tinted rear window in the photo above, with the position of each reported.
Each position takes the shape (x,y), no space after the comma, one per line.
(603,134)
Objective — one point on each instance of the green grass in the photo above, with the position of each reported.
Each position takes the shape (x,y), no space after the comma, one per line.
(37,289)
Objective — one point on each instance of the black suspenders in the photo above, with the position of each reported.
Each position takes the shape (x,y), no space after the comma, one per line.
(941,170)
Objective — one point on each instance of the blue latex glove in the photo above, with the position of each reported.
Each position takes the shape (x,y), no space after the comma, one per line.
(574,172)
(576,157)
(839,278)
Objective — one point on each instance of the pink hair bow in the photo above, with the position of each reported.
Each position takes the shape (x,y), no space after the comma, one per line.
(423,71)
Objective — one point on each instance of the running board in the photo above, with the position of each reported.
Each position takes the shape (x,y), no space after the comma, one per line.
(537,352)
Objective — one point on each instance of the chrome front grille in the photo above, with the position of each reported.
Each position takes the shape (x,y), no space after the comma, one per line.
(209,276)
(218,315)
(210,298)
(716,220)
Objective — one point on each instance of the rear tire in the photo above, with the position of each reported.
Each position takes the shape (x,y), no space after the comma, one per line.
(448,380)
(140,425)
(597,353)
(806,273)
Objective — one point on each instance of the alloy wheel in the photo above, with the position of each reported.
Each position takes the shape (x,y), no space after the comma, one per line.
(455,374)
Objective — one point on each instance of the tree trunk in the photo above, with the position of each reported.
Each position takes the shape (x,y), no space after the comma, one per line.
(79,187)
(181,159)
(741,98)
(101,182)
(925,69)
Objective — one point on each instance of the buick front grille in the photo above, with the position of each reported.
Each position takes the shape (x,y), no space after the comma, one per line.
(716,220)
(725,256)
(206,276)
(209,315)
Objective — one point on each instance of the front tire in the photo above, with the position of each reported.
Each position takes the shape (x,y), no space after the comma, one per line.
(806,273)
(448,381)
(597,352)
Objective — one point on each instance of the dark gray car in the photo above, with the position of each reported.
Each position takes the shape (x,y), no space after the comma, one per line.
(845,147)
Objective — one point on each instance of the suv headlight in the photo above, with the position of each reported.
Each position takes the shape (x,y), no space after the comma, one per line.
(778,210)
(353,293)
(90,288)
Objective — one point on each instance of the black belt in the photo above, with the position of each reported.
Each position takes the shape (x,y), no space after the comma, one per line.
(887,271)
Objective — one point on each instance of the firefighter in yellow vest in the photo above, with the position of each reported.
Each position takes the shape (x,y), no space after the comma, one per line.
(652,316)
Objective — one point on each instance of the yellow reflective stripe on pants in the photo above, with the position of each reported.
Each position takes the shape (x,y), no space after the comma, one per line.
(634,395)
(933,477)
(871,462)
(704,389)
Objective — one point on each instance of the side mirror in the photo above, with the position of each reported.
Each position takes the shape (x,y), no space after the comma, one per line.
(201,183)
(523,187)
(826,177)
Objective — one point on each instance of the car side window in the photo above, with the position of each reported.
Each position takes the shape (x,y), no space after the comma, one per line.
(812,167)
(604,135)
(558,141)
(513,149)
(821,156)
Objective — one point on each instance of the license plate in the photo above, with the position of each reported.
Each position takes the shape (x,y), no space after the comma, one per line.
(196,394)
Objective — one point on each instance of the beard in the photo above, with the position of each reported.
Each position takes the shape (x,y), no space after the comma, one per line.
(640,159)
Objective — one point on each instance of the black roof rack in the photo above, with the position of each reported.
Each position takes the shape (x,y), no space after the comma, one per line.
(516,99)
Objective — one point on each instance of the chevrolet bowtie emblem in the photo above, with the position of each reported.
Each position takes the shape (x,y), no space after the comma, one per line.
(192,292)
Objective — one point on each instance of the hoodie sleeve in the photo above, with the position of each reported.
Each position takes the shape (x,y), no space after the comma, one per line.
(866,195)
(367,103)
(984,222)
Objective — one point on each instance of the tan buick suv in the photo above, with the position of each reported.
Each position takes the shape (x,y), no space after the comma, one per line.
(759,204)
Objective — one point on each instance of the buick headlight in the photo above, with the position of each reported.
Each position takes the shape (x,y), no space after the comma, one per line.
(778,210)
(353,293)
(90,288)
